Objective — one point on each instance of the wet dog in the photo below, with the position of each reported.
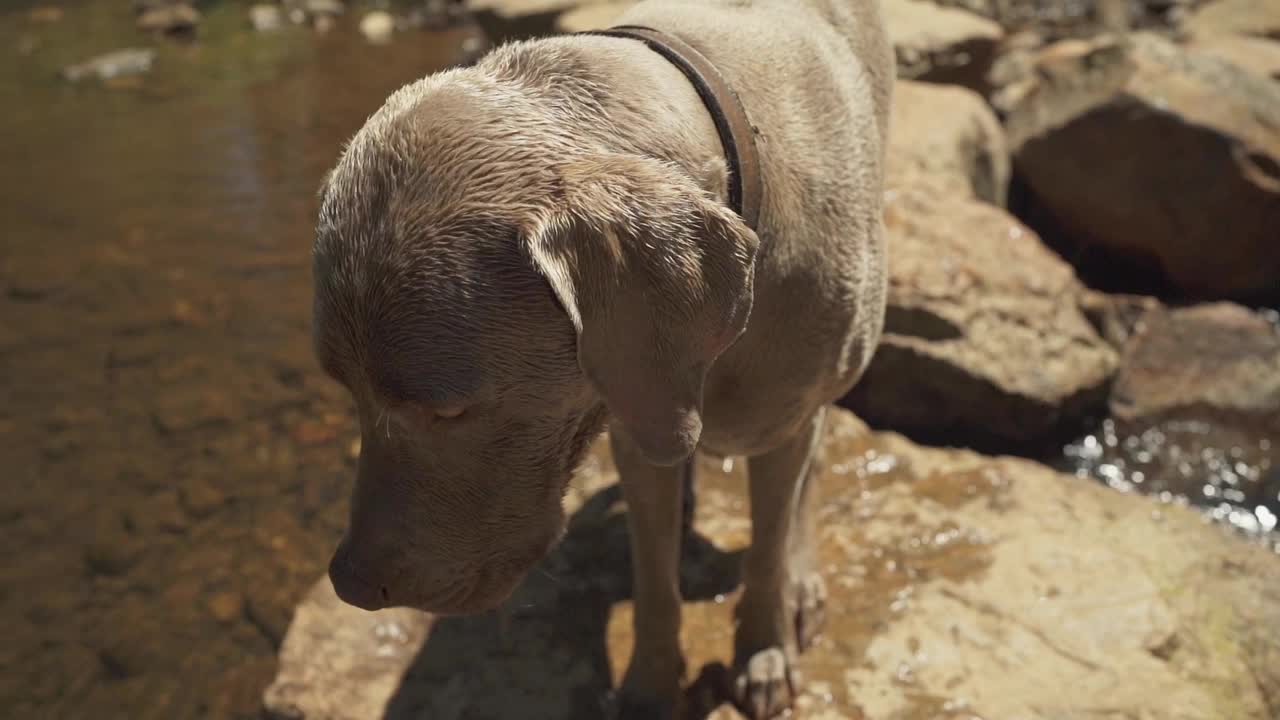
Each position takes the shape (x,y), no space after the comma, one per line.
(512,254)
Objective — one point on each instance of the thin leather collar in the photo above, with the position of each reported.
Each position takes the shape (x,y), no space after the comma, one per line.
(737,134)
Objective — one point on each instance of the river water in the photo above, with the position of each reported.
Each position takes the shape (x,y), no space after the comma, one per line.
(176,468)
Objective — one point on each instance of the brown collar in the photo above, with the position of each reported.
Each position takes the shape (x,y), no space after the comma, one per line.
(737,135)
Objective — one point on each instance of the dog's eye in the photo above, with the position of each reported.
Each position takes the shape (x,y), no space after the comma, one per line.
(449,413)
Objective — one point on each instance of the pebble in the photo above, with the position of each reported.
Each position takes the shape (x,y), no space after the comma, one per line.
(226,606)
(201,498)
(265,18)
(45,14)
(130,61)
(377,26)
(173,19)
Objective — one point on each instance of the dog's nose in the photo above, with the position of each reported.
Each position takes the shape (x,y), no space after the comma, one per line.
(358,585)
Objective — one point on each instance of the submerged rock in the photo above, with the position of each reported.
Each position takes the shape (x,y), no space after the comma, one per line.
(960,585)
(132,61)
(950,135)
(1157,154)
(265,17)
(937,44)
(378,26)
(984,337)
(175,18)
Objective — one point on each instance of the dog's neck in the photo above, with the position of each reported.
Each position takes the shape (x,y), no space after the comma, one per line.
(621,95)
(737,135)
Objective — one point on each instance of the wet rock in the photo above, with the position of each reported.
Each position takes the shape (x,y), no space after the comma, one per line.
(1216,362)
(1096,149)
(936,44)
(378,26)
(265,17)
(113,551)
(1240,17)
(186,409)
(1058,19)
(201,498)
(45,14)
(984,337)
(1259,56)
(1116,316)
(119,63)
(169,19)
(505,20)
(957,581)
(950,135)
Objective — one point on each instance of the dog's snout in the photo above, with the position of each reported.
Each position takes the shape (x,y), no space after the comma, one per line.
(360,584)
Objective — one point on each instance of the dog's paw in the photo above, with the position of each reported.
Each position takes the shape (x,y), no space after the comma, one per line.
(765,684)
(811,608)
(630,706)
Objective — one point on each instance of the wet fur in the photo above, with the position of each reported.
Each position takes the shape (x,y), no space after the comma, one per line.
(542,240)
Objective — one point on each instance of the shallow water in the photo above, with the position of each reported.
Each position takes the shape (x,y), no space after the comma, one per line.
(176,469)
(1231,474)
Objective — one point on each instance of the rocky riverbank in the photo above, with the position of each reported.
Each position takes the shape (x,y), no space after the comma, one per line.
(961,586)
(1082,211)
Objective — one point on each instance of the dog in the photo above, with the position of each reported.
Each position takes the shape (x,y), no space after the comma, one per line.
(512,255)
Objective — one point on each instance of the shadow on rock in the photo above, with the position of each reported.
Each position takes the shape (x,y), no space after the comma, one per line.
(545,655)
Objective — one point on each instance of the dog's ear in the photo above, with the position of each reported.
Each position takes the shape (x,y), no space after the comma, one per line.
(657,279)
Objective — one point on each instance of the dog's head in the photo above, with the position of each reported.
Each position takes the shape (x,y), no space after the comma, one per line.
(490,287)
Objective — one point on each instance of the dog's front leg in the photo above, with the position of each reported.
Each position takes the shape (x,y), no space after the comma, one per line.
(651,686)
(782,599)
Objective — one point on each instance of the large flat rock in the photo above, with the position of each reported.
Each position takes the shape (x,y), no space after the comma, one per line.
(961,586)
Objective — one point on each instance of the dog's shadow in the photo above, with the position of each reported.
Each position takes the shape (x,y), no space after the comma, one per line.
(545,656)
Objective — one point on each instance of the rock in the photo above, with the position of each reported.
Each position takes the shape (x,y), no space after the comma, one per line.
(437,14)
(1240,17)
(593,16)
(1217,362)
(1125,169)
(377,26)
(506,20)
(119,63)
(1257,55)
(170,18)
(956,581)
(984,338)
(201,498)
(944,45)
(1116,316)
(950,135)
(266,17)
(1039,87)
(45,14)
(317,8)
(226,606)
